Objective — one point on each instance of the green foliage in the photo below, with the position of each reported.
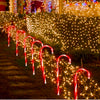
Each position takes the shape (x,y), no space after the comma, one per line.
(73,35)
(66,33)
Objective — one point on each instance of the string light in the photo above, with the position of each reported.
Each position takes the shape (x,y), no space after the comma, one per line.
(15,6)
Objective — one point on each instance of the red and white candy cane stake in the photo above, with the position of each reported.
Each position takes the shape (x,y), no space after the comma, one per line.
(9,28)
(37,41)
(75,80)
(41,60)
(19,31)
(25,48)
(58,59)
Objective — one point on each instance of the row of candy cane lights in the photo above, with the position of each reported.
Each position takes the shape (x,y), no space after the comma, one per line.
(41,58)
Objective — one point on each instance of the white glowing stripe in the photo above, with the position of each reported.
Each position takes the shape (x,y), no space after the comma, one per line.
(57,74)
(32,55)
(25,49)
(8,45)
(58,93)
(45,81)
(25,63)
(34,72)
(42,63)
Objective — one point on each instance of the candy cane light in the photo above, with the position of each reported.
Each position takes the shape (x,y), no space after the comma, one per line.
(58,59)
(75,80)
(9,34)
(41,60)
(17,41)
(25,47)
(37,41)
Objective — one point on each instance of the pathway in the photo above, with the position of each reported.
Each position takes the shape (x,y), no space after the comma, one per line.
(18,83)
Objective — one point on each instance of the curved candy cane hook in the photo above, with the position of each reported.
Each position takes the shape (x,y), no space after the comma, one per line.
(25,48)
(63,55)
(37,41)
(41,60)
(18,31)
(75,80)
(8,29)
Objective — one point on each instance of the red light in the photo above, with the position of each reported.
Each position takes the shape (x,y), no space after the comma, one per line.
(41,60)
(25,48)
(63,55)
(37,41)
(75,80)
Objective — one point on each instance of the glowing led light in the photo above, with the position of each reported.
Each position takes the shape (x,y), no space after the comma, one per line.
(41,60)
(17,39)
(29,6)
(25,48)
(15,6)
(35,10)
(63,55)
(49,6)
(76,4)
(94,1)
(67,4)
(37,41)
(75,80)
(83,4)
